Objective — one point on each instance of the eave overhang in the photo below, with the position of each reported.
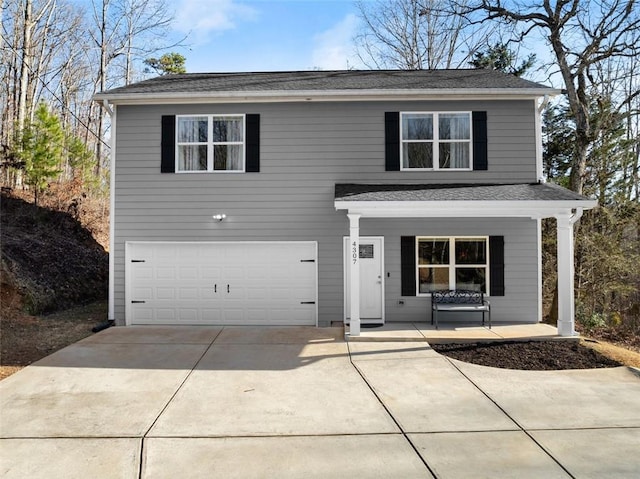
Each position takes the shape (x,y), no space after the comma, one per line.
(520,200)
(537,209)
(147,98)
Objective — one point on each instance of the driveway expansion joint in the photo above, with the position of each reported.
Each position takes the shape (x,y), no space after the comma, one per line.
(397,423)
(547,452)
(164,408)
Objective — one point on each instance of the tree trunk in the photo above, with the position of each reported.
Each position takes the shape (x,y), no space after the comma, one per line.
(25,67)
(579,166)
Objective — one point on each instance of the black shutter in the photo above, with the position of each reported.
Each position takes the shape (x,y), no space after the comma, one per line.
(253,143)
(408,265)
(496,265)
(168,144)
(392,141)
(480,155)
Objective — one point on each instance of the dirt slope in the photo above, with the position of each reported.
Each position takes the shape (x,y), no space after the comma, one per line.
(49,261)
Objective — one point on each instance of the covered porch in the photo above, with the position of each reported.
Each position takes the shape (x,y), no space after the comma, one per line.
(533,201)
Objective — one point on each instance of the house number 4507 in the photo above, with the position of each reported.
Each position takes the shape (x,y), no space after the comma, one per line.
(354,252)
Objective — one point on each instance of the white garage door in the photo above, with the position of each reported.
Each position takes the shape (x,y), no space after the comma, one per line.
(241,283)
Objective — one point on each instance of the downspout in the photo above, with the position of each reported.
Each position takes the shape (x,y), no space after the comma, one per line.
(111,110)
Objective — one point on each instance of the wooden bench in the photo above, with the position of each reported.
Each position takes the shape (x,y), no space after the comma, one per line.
(449,300)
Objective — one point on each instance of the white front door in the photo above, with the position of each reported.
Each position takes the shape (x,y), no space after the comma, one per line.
(371,280)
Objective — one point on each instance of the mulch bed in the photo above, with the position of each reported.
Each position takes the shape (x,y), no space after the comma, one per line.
(531,355)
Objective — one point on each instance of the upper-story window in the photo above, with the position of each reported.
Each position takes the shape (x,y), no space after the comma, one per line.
(436,141)
(213,143)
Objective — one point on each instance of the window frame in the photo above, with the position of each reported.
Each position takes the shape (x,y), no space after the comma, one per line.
(210,144)
(436,141)
(452,266)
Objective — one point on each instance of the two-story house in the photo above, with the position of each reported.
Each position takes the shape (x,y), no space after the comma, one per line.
(307,198)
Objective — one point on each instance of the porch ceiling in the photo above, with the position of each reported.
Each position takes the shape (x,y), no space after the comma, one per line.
(530,200)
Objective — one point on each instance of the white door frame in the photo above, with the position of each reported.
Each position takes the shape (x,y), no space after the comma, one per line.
(345,265)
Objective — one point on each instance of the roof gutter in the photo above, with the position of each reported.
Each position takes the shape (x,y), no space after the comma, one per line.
(323,95)
(534,209)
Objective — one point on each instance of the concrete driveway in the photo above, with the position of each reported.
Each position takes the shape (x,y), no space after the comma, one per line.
(301,402)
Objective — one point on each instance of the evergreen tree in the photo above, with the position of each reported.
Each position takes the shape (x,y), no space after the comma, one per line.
(42,147)
(169,63)
(558,133)
(499,57)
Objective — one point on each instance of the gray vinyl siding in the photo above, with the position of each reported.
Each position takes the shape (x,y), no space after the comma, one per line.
(305,148)
(520,302)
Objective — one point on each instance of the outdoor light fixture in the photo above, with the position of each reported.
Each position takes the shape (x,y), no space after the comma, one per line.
(219,216)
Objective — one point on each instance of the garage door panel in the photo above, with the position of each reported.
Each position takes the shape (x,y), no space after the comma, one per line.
(211,316)
(222,283)
(234,273)
(165,293)
(208,294)
(211,273)
(189,293)
(166,314)
(257,294)
(258,315)
(187,273)
(186,315)
(142,272)
(165,273)
(143,314)
(233,315)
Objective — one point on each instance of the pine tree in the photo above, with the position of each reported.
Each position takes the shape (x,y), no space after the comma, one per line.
(42,149)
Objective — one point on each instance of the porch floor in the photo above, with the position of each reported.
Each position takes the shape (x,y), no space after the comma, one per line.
(455,332)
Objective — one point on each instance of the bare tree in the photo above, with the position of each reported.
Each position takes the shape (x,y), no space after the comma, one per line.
(123,30)
(62,53)
(25,62)
(146,20)
(582,35)
(616,81)
(418,34)
(34,35)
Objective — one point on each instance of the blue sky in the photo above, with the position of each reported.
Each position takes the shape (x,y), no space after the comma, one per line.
(259,35)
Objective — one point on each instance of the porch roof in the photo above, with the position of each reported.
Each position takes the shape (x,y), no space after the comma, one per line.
(534,200)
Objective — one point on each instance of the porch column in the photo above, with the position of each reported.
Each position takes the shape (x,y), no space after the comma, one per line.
(354,270)
(566,298)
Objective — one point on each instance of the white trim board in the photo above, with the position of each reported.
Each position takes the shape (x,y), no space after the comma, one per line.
(284,96)
(462,209)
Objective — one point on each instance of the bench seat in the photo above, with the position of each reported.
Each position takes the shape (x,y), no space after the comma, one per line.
(459,301)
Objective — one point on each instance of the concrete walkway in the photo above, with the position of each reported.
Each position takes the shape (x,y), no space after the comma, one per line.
(302,402)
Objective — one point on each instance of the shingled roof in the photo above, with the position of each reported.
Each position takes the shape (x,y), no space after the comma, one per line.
(456,192)
(353,81)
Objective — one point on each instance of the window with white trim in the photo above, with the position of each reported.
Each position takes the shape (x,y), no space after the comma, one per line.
(210,143)
(435,141)
(452,263)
